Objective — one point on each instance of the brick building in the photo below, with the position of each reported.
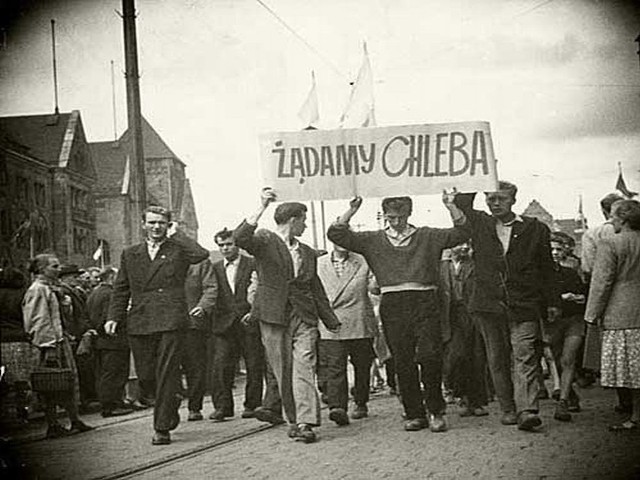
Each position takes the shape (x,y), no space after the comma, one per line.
(572,227)
(117,223)
(46,181)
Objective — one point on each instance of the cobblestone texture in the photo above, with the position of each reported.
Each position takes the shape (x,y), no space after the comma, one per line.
(372,448)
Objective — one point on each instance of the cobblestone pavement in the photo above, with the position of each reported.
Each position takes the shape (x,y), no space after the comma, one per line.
(376,447)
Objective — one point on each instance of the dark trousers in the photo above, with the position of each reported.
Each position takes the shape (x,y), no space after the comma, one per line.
(112,370)
(194,363)
(332,370)
(238,341)
(505,333)
(465,366)
(271,400)
(411,323)
(157,357)
(86,365)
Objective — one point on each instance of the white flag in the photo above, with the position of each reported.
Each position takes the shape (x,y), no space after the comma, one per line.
(125,178)
(360,109)
(309,112)
(98,253)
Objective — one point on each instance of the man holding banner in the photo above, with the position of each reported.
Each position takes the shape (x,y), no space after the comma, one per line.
(406,261)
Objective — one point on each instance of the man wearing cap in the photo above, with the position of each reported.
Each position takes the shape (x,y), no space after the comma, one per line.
(152,275)
(513,290)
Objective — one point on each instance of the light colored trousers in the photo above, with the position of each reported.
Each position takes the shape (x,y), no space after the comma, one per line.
(291,352)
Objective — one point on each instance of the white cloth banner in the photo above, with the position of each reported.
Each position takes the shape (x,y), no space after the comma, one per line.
(379,162)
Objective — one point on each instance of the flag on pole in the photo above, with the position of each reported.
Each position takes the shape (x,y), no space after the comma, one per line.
(360,109)
(98,253)
(125,178)
(309,112)
(621,186)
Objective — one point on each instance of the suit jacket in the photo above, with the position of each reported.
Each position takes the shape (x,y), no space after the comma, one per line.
(449,282)
(615,285)
(201,290)
(41,313)
(349,297)
(521,278)
(98,308)
(155,288)
(231,305)
(277,288)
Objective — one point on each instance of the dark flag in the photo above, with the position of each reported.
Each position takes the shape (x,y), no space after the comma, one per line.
(622,187)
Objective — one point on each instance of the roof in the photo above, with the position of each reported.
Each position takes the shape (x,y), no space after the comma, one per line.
(152,144)
(40,136)
(110,159)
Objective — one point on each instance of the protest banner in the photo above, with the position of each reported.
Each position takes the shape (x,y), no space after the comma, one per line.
(379,161)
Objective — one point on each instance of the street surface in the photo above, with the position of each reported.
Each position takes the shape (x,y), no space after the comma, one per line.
(371,448)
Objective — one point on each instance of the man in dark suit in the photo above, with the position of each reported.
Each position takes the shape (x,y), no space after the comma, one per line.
(513,290)
(233,338)
(201,290)
(152,276)
(288,302)
(112,351)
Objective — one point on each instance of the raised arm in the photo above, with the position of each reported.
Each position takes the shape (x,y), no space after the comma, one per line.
(341,234)
(192,249)
(244,234)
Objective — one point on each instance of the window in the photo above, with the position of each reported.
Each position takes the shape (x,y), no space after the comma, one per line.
(40,194)
(22,190)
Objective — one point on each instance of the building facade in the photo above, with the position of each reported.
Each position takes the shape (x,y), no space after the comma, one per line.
(117,221)
(47,178)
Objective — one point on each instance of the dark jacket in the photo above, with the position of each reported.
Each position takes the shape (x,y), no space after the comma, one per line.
(75,317)
(11,323)
(521,279)
(156,288)
(98,307)
(278,289)
(201,290)
(231,306)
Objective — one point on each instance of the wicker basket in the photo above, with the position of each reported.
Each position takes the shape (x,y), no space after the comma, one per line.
(51,380)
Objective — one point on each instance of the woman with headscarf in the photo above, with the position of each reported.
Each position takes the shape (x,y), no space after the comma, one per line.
(43,323)
(614,303)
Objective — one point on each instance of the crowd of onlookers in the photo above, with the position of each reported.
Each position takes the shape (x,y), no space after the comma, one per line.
(464,314)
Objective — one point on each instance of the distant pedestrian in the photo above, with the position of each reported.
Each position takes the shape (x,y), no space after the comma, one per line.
(111,351)
(201,290)
(233,338)
(565,334)
(614,303)
(405,261)
(43,323)
(289,300)
(152,276)
(348,282)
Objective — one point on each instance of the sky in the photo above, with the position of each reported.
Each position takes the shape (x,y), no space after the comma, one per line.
(558,80)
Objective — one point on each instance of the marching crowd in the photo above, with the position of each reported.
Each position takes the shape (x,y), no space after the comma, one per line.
(468,312)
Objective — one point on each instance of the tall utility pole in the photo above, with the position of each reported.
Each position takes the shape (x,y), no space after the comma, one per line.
(55,66)
(134,110)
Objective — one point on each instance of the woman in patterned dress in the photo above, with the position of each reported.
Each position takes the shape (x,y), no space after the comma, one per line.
(614,303)
(43,323)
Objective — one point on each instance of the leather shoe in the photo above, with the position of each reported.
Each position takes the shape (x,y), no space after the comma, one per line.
(161,437)
(248,413)
(135,405)
(116,412)
(437,423)
(79,427)
(305,434)
(56,431)
(528,421)
(361,411)
(339,415)
(194,416)
(480,412)
(292,432)
(218,416)
(416,424)
(265,415)
(509,418)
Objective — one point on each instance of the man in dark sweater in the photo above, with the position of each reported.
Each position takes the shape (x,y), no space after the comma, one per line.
(406,262)
(513,290)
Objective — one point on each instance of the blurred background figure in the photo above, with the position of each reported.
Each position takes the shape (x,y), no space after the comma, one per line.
(43,322)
